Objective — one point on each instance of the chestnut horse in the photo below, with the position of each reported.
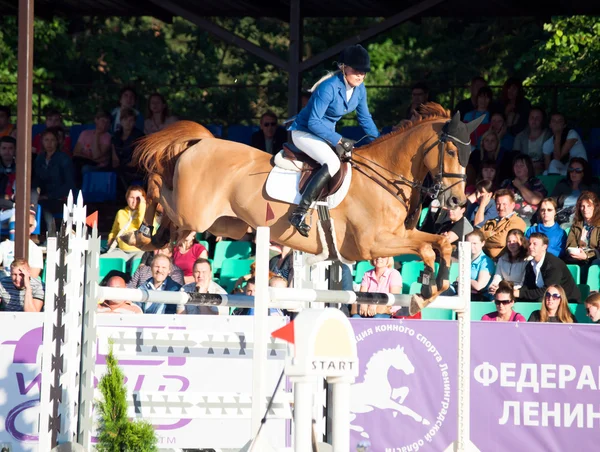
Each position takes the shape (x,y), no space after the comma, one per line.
(210,184)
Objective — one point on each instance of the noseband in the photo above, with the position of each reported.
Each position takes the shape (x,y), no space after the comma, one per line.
(394,184)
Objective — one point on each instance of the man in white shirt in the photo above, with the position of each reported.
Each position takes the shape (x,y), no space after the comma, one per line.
(203,283)
(35,257)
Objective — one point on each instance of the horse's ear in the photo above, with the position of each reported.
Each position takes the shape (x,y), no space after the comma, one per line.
(455,119)
(471,126)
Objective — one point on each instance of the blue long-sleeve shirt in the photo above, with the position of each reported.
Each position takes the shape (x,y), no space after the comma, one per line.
(328,104)
(557,237)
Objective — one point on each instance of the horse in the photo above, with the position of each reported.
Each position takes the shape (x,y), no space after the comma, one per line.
(375,391)
(209,184)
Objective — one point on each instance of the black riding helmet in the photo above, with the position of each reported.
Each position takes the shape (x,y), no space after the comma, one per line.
(356,57)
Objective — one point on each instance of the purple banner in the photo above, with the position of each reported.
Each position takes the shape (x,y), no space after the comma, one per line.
(535,387)
(405,395)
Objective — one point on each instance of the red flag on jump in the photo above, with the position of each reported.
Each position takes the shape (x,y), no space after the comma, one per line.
(92,219)
(285,333)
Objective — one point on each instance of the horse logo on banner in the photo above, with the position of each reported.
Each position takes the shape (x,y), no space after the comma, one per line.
(376,392)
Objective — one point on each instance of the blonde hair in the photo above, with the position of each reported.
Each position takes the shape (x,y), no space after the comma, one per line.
(325,77)
(488,133)
(389,264)
(563,313)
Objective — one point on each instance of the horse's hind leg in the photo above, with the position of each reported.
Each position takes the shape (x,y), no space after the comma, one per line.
(229,227)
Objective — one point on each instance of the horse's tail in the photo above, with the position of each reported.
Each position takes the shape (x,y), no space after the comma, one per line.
(157,153)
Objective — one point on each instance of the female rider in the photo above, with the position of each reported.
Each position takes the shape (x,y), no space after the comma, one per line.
(313,130)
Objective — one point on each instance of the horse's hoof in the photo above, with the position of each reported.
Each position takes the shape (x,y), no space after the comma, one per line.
(417,303)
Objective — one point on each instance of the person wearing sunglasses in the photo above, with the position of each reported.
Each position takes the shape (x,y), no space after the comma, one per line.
(503,297)
(555,307)
(271,136)
(579,178)
(592,307)
(564,143)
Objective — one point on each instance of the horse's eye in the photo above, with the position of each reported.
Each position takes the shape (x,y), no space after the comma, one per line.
(451,153)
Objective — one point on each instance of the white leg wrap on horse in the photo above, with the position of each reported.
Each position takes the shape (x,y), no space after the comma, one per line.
(317,149)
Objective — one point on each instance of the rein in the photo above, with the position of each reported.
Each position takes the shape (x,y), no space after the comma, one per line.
(397,180)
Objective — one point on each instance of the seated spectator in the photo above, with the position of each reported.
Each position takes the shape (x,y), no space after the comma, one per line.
(481,208)
(381,279)
(498,125)
(456,228)
(496,230)
(514,105)
(160,280)
(123,144)
(186,254)
(503,297)
(6,128)
(583,241)
(158,116)
(118,306)
(592,307)
(555,307)
(127,219)
(19,291)
(240,284)
(484,99)
(35,256)
(127,100)
(470,104)
(490,153)
(557,238)
(482,267)
(528,189)
(487,171)
(203,283)
(283,264)
(544,270)
(250,289)
(93,148)
(563,145)
(419,95)
(531,140)
(144,271)
(511,261)
(579,178)
(8,172)
(53,120)
(53,178)
(271,136)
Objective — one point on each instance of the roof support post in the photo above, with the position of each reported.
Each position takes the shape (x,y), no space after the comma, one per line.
(296,26)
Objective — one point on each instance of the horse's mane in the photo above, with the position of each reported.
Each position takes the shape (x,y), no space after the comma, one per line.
(380,352)
(157,153)
(429,112)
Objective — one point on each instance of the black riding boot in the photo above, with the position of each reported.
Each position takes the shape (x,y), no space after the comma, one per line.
(312,191)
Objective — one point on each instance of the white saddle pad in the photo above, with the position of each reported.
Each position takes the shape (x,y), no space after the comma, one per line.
(282,185)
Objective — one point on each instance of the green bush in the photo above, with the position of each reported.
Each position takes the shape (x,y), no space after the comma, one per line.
(116,433)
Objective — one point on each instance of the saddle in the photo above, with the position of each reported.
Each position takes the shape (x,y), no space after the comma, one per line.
(309,166)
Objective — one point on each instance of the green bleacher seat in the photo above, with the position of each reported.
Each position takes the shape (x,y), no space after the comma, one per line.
(480,308)
(575,272)
(410,272)
(525,308)
(226,249)
(234,269)
(407,258)
(431,313)
(424,212)
(205,244)
(579,310)
(107,264)
(361,268)
(550,181)
(593,279)
(584,290)
(135,264)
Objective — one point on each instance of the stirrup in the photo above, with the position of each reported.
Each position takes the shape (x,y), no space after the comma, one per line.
(297,220)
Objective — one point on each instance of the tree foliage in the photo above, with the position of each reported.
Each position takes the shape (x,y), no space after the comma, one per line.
(80,64)
(116,432)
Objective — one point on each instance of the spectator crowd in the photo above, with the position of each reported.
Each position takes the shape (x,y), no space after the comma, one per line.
(528,237)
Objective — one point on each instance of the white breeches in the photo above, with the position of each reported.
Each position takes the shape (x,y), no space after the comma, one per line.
(317,149)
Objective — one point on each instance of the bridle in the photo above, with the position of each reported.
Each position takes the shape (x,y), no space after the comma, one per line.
(393,185)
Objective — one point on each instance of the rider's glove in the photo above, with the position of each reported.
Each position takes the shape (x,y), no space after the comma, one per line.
(344,146)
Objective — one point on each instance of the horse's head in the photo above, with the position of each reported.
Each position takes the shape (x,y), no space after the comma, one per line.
(400,361)
(447,157)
